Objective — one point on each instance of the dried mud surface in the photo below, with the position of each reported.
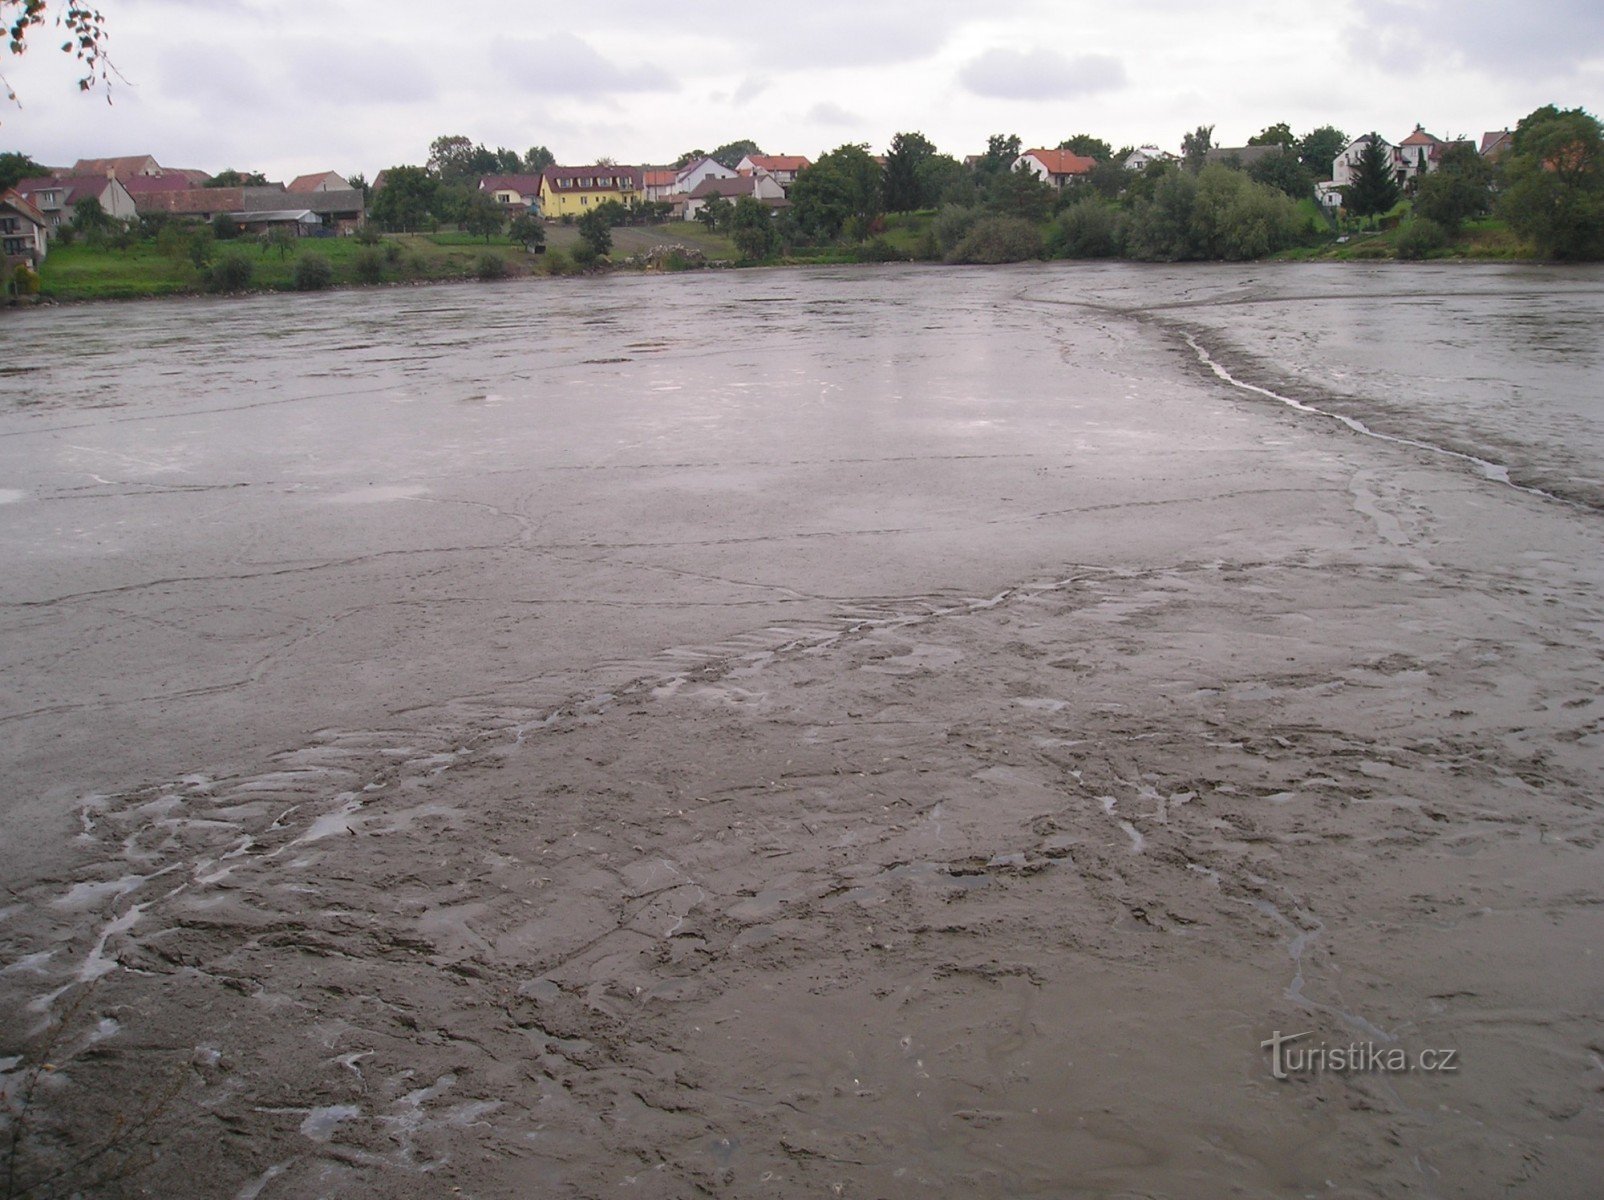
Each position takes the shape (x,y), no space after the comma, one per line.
(769,871)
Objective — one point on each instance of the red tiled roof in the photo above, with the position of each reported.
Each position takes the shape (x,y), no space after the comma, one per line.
(1420,138)
(128,164)
(1062,162)
(309,183)
(779,162)
(664,178)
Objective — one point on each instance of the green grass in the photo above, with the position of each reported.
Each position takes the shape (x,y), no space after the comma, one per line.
(82,272)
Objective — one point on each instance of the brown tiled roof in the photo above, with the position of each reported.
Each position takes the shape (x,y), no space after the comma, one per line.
(192,201)
(73,187)
(1420,138)
(662,178)
(553,174)
(1496,141)
(139,185)
(524,185)
(128,164)
(22,206)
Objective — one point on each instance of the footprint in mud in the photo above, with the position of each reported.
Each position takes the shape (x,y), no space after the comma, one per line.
(919,659)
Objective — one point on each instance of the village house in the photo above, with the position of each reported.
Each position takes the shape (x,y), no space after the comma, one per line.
(1241,157)
(689,177)
(517,193)
(574,191)
(1145,156)
(782,168)
(257,207)
(658,183)
(763,188)
(1495,143)
(1056,167)
(58,198)
(24,236)
(1346,164)
(321,181)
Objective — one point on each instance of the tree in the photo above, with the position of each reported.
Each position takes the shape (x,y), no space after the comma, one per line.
(1196,145)
(716,213)
(1279,134)
(904,190)
(1087,146)
(360,182)
(690,156)
(1021,193)
(233,178)
(843,188)
(1459,189)
(15,167)
(537,159)
(1284,172)
(1318,150)
(406,200)
(595,231)
(1374,189)
(278,238)
(752,229)
(85,37)
(731,153)
(528,231)
(1001,153)
(944,180)
(482,216)
(1554,192)
(89,217)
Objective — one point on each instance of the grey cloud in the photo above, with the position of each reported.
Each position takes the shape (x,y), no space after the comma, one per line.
(1040,75)
(828,113)
(750,89)
(564,65)
(209,74)
(1556,36)
(372,73)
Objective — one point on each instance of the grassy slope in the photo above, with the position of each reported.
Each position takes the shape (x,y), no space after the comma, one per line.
(79,272)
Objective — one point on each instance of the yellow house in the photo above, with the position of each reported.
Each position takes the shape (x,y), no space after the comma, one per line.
(574,191)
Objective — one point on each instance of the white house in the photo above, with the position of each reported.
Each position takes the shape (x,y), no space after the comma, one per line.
(517,192)
(58,198)
(23,236)
(764,188)
(1144,156)
(1055,167)
(783,168)
(689,177)
(1346,164)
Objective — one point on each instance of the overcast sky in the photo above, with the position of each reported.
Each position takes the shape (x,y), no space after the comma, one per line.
(357,85)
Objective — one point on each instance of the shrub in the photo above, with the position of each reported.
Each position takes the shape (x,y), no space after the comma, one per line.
(999,240)
(368,235)
(225,228)
(952,225)
(368,265)
(1086,229)
(392,252)
(491,266)
(418,265)
(556,262)
(313,273)
(25,280)
(585,255)
(1420,237)
(231,273)
(880,250)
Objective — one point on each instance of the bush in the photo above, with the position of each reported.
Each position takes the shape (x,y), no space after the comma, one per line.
(1421,237)
(25,280)
(231,273)
(585,255)
(556,263)
(880,250)
(313,273)
(1086,229)
(368,265)
(368,235)
(225,228)
(952,225)
(491,266)
(392,253)
(999,240)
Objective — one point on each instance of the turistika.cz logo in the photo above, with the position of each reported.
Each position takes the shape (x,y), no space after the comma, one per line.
(1356,1058)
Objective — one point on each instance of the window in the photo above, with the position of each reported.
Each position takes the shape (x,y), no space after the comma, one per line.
(8,225)
(17,246)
